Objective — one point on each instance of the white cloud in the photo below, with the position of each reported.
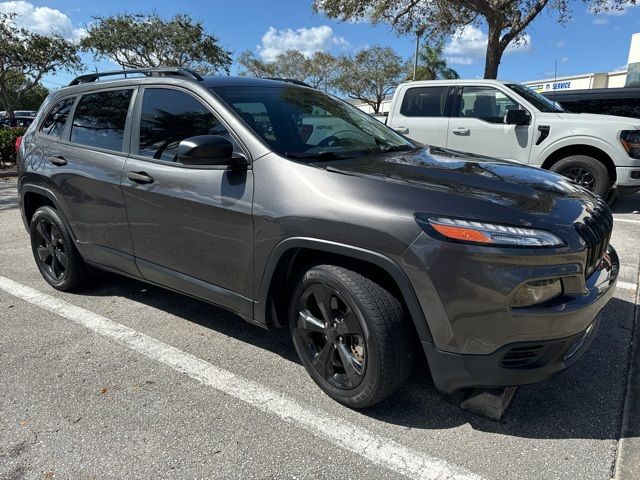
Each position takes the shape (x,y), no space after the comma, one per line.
(600,20)
(461,60)
(561,44)
(43,20)
(306,40)
(564,59)
(470,44)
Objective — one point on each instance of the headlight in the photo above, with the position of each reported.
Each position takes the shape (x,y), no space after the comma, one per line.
(538,291)
(488,233)
(630,140)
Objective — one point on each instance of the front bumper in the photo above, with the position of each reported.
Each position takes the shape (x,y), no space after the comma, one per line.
(628,176)
(525,362)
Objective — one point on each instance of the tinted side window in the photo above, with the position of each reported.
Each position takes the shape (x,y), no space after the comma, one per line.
(623,107)
(485,103)
(170,116)
(54,123)
(424,102)
(100,119)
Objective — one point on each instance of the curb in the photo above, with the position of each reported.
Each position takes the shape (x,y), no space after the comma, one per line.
(628,455)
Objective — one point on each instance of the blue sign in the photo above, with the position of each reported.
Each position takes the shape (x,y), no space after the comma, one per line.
(561,86)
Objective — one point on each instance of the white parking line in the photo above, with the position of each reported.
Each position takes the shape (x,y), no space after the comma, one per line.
(627,285)
(625,220)
(375,448)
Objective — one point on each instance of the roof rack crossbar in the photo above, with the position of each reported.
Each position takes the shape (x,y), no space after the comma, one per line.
(149,72)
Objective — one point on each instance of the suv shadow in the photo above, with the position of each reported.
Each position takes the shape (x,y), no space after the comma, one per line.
(584,402)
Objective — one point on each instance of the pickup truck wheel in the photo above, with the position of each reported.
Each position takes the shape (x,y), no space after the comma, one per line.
(57,258)
(351,335)
(585,171)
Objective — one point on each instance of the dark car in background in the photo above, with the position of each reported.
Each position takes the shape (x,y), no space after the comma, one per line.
(622,102)
(294,209)
(16,122)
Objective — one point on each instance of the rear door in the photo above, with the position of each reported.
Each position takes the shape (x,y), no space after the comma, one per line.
(477,125)
(84,170)
(423,114)
(192,227)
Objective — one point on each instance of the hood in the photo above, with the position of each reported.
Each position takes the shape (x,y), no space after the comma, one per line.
(599,119)
(495,186)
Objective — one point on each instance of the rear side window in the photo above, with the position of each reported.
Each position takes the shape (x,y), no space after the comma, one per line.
(622,107)
(100,119)
(54,123)
(170,116)
(424,102)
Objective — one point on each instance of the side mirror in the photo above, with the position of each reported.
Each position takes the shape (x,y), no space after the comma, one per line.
(206,150)
(517,117)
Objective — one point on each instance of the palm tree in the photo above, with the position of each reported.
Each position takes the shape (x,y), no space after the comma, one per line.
(432,65)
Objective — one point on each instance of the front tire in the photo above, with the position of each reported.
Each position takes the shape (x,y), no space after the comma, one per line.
(585,171)
(57,258)
(351,335)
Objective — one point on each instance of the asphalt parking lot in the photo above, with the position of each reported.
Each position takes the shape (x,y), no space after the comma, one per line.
(126,380)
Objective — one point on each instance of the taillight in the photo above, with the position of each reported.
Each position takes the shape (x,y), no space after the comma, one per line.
(18,143)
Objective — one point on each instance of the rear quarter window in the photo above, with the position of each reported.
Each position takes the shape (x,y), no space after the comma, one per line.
(424,102)
(56,119)
(100,119)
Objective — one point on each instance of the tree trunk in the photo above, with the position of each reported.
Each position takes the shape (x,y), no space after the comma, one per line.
(494,50)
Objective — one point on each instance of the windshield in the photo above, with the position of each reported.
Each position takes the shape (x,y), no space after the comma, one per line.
(541,102)
(303,123)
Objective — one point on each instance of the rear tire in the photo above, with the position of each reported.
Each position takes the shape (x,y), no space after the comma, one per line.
(585,171)
(54,251)
(351,335)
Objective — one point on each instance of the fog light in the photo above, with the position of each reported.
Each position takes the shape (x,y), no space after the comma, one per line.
(539,291)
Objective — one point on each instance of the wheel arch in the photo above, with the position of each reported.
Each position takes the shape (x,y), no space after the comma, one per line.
(582,149)
(292,255)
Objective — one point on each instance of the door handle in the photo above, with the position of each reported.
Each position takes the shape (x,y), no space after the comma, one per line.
(403,130)
(461,131)
(58,160)
(140,177)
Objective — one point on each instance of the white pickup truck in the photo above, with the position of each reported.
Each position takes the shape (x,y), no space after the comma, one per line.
(510,121)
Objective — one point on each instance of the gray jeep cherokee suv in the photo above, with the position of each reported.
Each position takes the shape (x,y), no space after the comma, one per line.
(290,207)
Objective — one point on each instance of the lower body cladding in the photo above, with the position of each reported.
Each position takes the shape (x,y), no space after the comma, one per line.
(480,341)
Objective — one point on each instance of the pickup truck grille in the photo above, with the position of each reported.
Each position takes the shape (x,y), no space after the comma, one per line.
(596,232)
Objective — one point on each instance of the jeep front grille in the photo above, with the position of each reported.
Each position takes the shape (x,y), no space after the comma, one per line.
(596,232)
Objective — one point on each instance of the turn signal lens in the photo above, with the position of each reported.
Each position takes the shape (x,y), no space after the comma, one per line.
(539,291)
(490,233)
(630,140)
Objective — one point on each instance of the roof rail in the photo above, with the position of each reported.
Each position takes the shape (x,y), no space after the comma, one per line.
(149,72)
(289,80)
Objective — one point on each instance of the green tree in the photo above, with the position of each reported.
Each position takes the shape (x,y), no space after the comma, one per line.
(137,40)
(318,70)
(505,20)
(30,100)
(26,57)
(370,75)
(431,64)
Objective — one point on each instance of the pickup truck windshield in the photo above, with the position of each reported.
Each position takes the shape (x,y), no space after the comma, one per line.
(301,123)
(534,98)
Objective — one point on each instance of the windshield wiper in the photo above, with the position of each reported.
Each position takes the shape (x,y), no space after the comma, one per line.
(326,155)
(396,148)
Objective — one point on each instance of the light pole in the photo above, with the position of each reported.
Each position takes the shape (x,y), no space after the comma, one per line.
(419,31)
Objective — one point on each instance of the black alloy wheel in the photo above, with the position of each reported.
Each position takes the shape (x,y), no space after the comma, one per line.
(50,250)
(55,253)
(332,336)
(581,176)
(351,335)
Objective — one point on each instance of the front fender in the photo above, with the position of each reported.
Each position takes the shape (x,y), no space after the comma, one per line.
(291,244)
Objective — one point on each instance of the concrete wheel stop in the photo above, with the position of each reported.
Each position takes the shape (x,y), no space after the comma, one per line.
(488,403)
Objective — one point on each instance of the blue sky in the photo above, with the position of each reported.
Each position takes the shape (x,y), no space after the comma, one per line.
(588,43)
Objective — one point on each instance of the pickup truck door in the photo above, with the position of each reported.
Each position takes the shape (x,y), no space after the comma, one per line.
(477,125)
(422,114)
